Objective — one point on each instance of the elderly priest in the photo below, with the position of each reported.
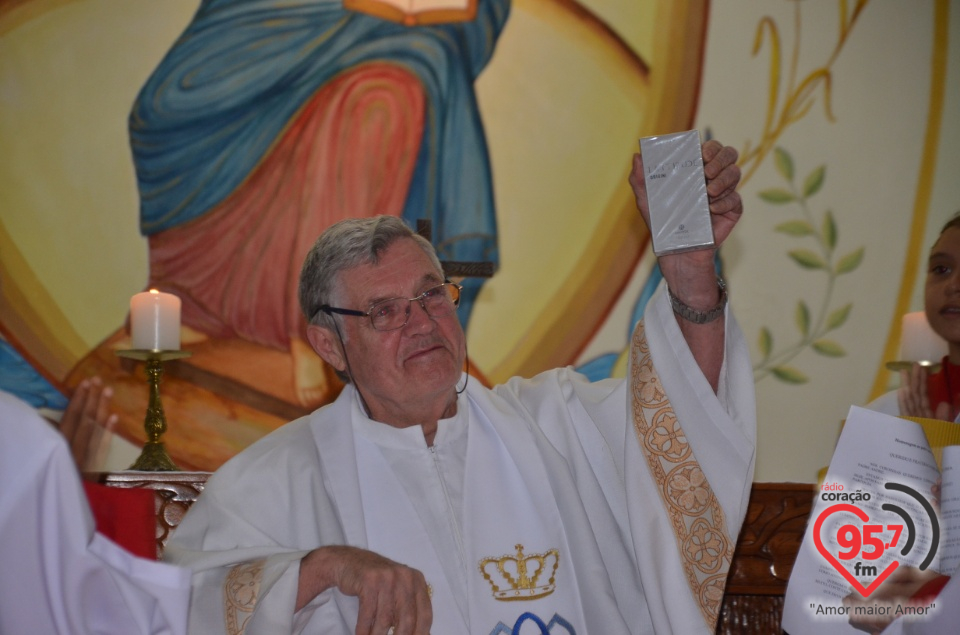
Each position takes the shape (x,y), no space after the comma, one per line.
(421,501)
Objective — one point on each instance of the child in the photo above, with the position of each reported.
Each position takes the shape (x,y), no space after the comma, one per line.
(922,393)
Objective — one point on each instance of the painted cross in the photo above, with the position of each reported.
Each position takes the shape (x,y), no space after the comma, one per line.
(457,269)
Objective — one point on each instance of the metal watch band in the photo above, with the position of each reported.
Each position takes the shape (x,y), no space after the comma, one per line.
(700,317)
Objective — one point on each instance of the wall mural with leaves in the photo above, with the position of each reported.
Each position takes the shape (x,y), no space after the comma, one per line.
(814,321)
(786,105)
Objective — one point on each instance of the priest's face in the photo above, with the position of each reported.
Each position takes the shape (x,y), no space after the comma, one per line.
(942,290)
(410,372)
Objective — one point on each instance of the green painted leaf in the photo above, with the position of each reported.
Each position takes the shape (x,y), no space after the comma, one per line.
(784,163)
(795,228)
(838,317)
(802,316)
(850,262)
(829,230)
(789,375)
(766,342)
(777,196)
(829,348)
(807,259)
(814,181)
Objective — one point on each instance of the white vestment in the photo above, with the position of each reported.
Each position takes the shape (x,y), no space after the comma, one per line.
(57,575)
(640,485)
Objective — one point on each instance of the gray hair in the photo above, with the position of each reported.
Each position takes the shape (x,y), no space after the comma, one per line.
(344,245)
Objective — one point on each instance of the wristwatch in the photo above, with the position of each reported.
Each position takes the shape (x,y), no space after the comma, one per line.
(690,314)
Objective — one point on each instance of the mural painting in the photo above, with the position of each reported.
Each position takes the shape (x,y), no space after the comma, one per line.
(266,121)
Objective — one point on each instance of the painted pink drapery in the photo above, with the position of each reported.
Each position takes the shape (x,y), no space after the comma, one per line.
(350,152)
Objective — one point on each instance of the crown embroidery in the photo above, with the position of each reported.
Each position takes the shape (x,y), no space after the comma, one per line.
(522,573)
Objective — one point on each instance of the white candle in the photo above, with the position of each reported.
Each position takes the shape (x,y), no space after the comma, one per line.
(155,321)
(918,342)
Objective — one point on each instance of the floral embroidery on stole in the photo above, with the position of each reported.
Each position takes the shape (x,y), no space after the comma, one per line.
(241,589)
(698,521)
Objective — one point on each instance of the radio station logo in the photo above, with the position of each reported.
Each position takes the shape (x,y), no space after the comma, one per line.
(856,543)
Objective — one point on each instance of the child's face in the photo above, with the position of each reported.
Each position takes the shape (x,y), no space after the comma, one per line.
(942,297)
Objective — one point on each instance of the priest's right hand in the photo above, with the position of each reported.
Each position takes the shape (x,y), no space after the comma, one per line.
(393,597)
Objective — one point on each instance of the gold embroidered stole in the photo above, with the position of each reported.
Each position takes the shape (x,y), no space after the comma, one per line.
(697,518)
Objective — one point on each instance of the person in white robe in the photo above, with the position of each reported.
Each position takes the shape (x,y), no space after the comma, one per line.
(421,501)
(59,576)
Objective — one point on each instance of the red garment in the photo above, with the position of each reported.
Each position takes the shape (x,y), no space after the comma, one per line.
(126,516)
(944,386)
(929,591)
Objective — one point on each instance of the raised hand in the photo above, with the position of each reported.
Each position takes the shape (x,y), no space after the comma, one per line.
(88,424)
(723,175)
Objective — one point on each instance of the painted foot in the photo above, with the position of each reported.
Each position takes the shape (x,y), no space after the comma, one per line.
(309,375)
(191,336)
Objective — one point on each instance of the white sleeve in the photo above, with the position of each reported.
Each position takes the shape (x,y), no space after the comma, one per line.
(721,427)
(595,417)
(246,534)
(235,584)
(58,575)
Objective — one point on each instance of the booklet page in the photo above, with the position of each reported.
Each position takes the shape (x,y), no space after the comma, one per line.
(875,511)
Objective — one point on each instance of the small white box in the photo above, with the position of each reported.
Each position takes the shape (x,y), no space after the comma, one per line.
(676,192)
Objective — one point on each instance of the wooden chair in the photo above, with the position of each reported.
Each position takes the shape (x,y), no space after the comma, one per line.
(765,553)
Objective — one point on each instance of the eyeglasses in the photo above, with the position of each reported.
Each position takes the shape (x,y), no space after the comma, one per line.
(392,314)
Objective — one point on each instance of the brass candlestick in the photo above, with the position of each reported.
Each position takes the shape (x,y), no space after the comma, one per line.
(154,457)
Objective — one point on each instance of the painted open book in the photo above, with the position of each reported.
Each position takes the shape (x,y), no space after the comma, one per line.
(414,12)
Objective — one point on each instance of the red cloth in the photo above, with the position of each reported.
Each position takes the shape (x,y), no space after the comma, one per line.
(126,516)
(941,384)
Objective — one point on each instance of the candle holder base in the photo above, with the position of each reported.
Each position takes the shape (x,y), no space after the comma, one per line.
(154,457)
(897,366)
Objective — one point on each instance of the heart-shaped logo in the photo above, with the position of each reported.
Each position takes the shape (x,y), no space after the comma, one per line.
(862,515)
